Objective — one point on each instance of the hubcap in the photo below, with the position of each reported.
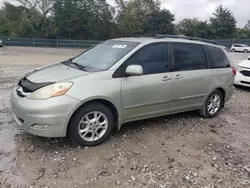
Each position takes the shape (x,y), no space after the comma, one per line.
(214,104)
(93,126)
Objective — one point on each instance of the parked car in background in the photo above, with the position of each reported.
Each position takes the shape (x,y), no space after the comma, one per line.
(1,43)
(120,81)
(240,48)
(243,73)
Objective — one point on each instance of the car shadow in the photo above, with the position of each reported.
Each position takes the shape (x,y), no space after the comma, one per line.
(242,88)
(157,122)
(163,122)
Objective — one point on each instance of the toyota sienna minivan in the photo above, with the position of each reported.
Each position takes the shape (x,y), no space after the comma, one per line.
(119,81)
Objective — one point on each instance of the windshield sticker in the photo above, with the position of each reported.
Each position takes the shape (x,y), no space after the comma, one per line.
(119,46)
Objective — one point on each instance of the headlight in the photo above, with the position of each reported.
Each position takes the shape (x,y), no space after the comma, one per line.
(238,68)
(53,90)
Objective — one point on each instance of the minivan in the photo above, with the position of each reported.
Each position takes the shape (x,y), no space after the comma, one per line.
(119,81)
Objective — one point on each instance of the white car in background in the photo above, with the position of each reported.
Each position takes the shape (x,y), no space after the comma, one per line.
(1,43)
(240,48)
(243,73)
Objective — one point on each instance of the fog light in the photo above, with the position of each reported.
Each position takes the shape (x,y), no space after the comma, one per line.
(37,126)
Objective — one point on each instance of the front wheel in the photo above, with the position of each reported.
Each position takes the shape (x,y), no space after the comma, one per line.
(91,125)
(212,105)
(245,51)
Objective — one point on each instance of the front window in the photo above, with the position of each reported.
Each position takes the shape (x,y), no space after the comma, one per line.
(246,45)
(104,55)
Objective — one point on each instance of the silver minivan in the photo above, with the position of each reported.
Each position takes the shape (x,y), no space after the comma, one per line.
(119,81)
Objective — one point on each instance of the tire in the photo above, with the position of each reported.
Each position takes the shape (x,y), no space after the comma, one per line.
(206,111)
(233,50)
(246,51)
(90,125)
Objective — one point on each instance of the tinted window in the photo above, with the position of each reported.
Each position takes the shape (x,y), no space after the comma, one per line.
(189,56)
(153,59)
(237,45)
(217,57)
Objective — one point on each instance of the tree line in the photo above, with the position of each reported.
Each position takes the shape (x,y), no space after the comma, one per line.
(98,20)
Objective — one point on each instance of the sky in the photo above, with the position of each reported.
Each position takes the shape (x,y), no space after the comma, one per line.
(203,9)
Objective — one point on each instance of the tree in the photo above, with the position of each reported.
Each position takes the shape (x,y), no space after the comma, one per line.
(82,19)
(241,33)
(43,6)
(223,24)
(133,14)
(193,28)
(160,22)
(20,21)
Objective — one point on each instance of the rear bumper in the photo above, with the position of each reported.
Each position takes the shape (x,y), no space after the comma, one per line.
(46,118)
(242,80)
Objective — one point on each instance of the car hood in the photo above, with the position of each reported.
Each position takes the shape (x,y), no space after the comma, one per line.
(54,73)
(245,63)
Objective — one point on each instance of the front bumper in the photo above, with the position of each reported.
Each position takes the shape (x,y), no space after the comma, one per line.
(242,80)
(53,114)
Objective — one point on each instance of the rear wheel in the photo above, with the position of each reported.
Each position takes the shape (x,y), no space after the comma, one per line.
(91,125)
(212,105)
(233,50)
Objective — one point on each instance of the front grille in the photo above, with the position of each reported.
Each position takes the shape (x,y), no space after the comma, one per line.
(243,82)
(245,73)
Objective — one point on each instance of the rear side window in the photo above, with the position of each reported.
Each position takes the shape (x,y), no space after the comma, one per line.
(189,56)
(152,58)
(217,57)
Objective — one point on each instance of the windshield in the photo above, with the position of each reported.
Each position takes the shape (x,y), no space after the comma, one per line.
(246,45)
(104,55)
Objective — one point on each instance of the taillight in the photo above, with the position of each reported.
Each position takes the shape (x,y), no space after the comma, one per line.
(234,71)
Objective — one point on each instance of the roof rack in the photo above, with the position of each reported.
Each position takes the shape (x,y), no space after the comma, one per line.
(160,36)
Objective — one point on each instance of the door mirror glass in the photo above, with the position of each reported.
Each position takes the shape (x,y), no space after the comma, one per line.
(134,70)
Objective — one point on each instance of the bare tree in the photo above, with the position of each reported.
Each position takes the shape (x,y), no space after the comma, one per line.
(44,6)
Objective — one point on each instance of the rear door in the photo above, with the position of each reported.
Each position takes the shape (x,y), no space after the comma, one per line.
(191,77)
(221,69)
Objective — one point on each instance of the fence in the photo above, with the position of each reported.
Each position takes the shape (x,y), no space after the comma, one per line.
(229,42)
(61,43)
(54,43)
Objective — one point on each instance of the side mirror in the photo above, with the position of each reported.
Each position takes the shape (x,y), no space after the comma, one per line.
(134,70)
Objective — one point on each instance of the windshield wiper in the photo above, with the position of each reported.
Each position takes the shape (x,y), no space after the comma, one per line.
(70,62)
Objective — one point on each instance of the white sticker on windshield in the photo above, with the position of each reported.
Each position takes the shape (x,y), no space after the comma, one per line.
(119,46)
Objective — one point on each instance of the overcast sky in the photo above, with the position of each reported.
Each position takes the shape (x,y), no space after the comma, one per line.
(203,9)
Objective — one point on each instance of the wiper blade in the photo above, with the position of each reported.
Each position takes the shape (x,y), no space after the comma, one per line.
(78,65)
(68,62)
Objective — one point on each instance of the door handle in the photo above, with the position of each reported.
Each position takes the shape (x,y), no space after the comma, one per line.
(166,78)
(178,77)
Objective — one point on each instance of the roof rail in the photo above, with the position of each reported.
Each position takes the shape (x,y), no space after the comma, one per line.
(160,36)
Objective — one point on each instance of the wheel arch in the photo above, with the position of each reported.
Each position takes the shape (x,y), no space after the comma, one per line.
(223,92)
(105,102)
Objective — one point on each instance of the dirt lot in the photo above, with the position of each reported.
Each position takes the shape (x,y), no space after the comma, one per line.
(178,151)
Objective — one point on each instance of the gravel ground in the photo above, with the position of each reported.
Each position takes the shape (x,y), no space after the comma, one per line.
(177,151)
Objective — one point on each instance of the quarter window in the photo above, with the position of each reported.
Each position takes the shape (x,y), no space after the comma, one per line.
(189,57)
(217,57)
(152,58)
